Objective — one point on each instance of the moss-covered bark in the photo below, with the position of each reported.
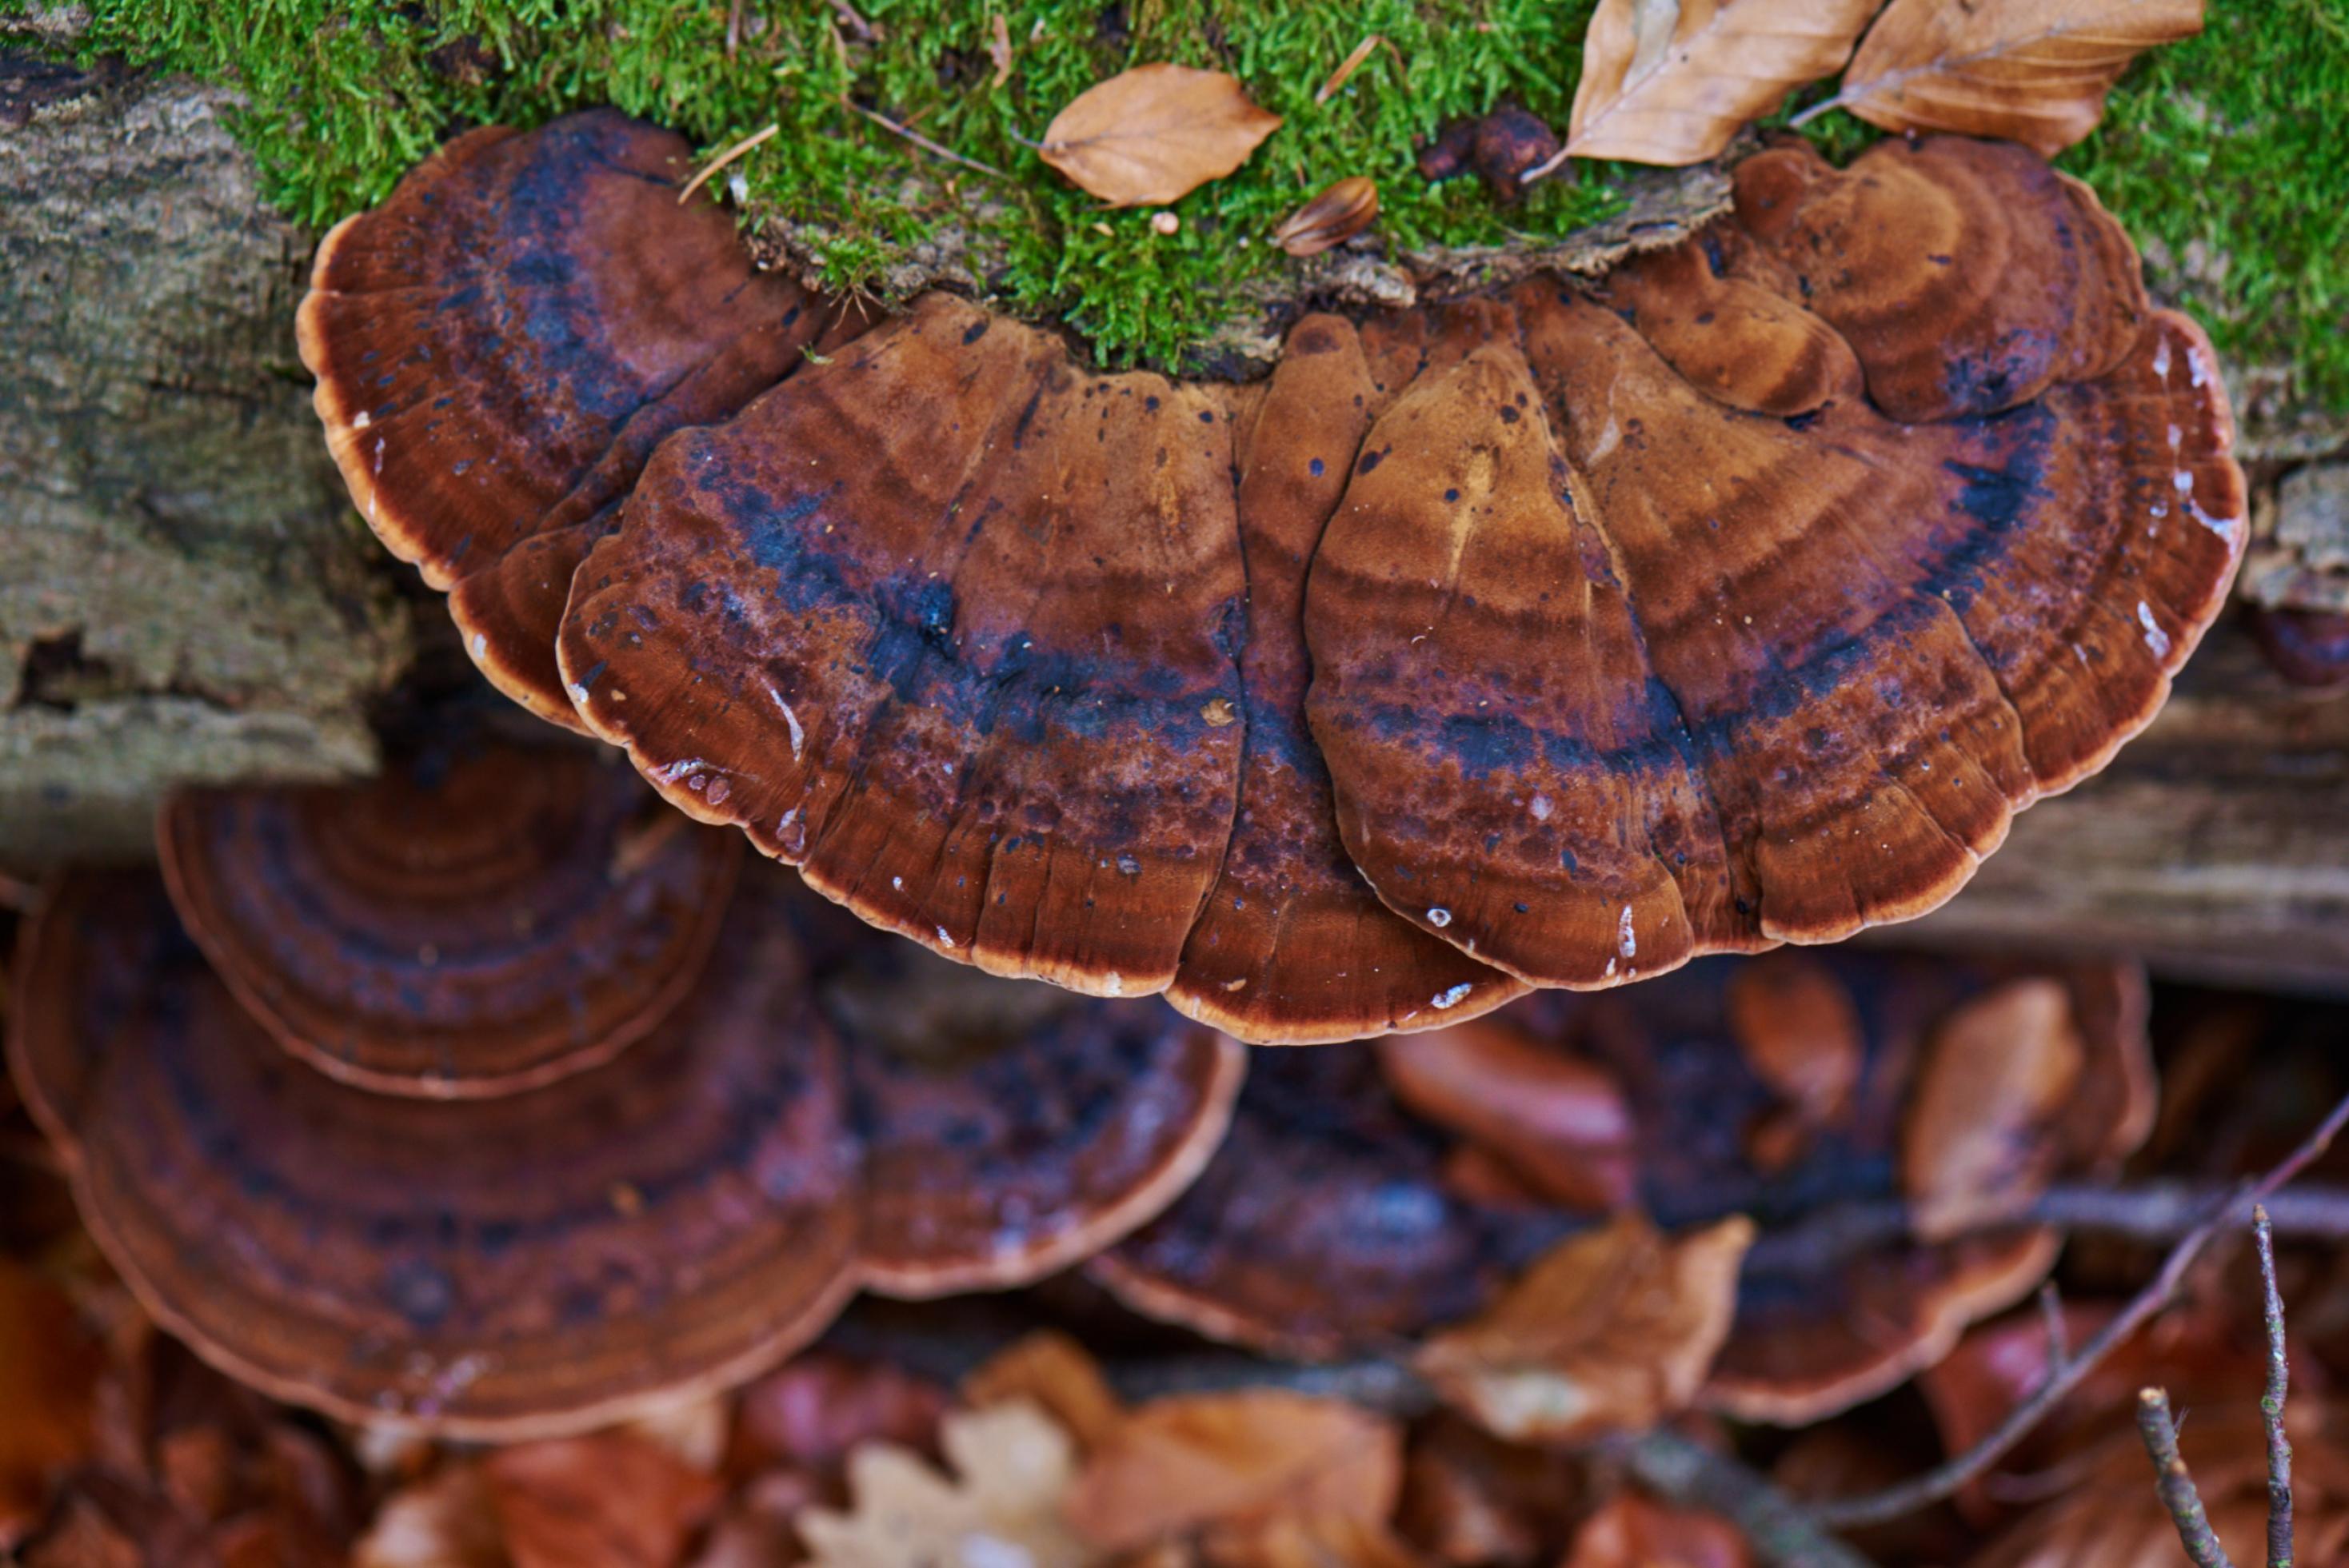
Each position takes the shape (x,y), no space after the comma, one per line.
(2220,153)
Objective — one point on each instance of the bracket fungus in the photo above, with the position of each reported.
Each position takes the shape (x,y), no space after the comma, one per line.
(625,1133)
(1352,1204)
(1008,1131)
(1324,1223)
(1547,638)
(498,1268)
(481,919)
(500,345)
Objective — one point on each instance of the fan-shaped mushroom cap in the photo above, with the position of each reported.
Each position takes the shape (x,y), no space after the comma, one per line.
(1740,599)
(1968,276)
(1292,946)
(1609,672)
(500,345)
(483,918)
(670,1222)
(1323,1223)
(953,627)
(1010,1130)
(1336,1217)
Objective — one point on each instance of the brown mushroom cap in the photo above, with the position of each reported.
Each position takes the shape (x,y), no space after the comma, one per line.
(1337,1217)
(1740,599)
(1815,1335)
(668,1223)
(921,622)
(1323,1224)
(483,918)
(1610,672)
(1010,1130)
(1292,946)
(500,345)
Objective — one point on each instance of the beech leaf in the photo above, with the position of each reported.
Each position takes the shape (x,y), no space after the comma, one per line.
(1978,1139)
(1611,1331)
(1669,81)
(1013,1465)
(1633,1533)
(1155,133)
(2032,71)
(1235,1462)
(1059,1376)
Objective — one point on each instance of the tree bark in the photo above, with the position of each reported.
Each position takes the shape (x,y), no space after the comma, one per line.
(184,593)
(2217,844)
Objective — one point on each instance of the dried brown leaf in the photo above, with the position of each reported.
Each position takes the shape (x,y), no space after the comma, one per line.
(1335,216)
(1155,133)
(1232,1461)
(1612,1330)
(1633,1533)
(1311,1541)
(447,1520)
(1669,81)
(1559,1121)
(1013,1467)
(1058,1374)
(2034,71)
(1799,1031)
(608,1501)
(1977,1138)
(998,48)
(50,1370)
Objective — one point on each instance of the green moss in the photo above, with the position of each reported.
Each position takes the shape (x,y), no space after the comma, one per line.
(2215,151)
(346,94)
(2223,157)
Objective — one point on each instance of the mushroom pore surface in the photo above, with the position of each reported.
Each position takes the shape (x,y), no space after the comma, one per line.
(1548,638)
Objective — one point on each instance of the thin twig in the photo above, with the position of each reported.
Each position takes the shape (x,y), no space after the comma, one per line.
(856,23)
(1777,1527)
(722,159)
(733,27)
(1347,68)
(2151,1211)
(2175,1484)
(2051,1315)
(1939,1482)
(2271,1401)
(918,139)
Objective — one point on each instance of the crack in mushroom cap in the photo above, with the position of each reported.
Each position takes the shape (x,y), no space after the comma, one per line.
(1009,1130)
(483,918)
(1739,599)
(668,1223)
(500,345)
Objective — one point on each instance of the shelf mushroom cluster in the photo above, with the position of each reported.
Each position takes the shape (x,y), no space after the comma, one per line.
(479,1100)
(1362,1198)
(1549,638)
